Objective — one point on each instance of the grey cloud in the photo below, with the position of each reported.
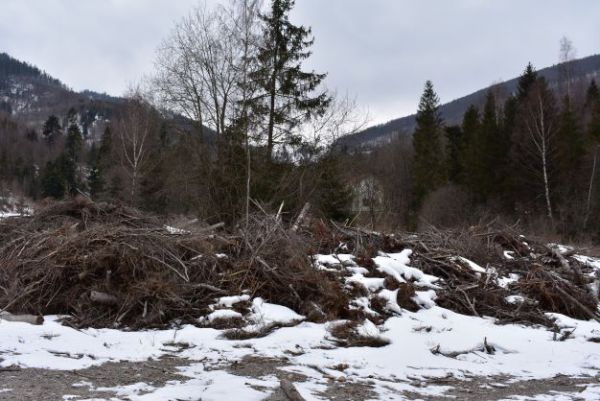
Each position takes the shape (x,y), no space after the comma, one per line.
(382,51)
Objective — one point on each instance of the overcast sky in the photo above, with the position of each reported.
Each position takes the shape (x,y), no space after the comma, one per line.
(380,51)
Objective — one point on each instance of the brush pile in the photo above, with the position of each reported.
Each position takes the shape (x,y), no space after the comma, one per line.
(487,271)
(111,266)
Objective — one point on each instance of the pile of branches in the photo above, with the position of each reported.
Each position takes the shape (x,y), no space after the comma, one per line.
(111,266)
(107,265)
(549,280)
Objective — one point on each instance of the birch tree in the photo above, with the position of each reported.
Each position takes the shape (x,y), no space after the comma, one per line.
(566,55)
(535,140)
(135,131)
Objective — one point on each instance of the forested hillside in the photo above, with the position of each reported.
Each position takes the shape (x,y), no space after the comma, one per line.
(583,70)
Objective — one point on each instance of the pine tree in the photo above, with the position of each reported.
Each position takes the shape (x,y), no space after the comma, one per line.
(593,106)
(454,151)
(74,142)
(472,151)
(99,164)
(570,147)
(52,181)
(534,145)
(287,92)
(51,130)
(593,134)
(494,149)
(334,196)
(592,93)
(429,172)
(71,158)
(71,117)
(526,81)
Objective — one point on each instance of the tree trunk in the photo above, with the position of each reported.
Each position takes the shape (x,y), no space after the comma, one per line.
(271,123)
(591,188)
(547,186)
(544,137)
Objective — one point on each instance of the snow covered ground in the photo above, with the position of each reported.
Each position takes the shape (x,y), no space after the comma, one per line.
(428,344)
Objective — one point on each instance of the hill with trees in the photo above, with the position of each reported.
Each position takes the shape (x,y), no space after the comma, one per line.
(582,70)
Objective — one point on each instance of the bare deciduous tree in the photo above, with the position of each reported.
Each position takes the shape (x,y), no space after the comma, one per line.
(566,55)
(202,65)
(342,117)
(135,129)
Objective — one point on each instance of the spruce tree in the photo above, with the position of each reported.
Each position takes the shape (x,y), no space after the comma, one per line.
(592,93)
(71,158)
(52,181)
(429,171)
(593,108)
(333,195)
(100,159)
(454,151)
(526,81)
(593,135)
(95,180)
(286,91)
(494,148)
(534,147)
(74,142)
(570,145)
(472,151)
(51,130)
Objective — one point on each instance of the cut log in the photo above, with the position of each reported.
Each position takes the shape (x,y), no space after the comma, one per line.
(103,298)
(31,319)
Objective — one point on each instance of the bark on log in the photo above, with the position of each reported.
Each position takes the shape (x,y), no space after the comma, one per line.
(301,217)
(31,319)
(103,298)
(290,391)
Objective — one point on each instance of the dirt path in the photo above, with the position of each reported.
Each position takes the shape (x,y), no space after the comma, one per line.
(51,385)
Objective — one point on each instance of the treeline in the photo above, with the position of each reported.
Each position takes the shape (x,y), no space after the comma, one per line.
(532,156)
(230,123)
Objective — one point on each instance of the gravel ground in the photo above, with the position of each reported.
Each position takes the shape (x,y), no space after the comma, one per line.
(51,385)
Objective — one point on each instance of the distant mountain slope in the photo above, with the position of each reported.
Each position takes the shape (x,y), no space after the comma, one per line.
(30,96)
(452,112)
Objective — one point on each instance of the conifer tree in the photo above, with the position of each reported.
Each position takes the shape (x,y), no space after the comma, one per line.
(593,135)
(526,81)
(95,180)
(494,148)
(534,141)
(429,171)
(334,196)
(100,159)
(286,91)
(52,181)
(472,152)
(71,158)
(570,148)
(73,142)
(51,130)
(454,151)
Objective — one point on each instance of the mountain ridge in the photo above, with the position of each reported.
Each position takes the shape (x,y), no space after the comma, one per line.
(584,68)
